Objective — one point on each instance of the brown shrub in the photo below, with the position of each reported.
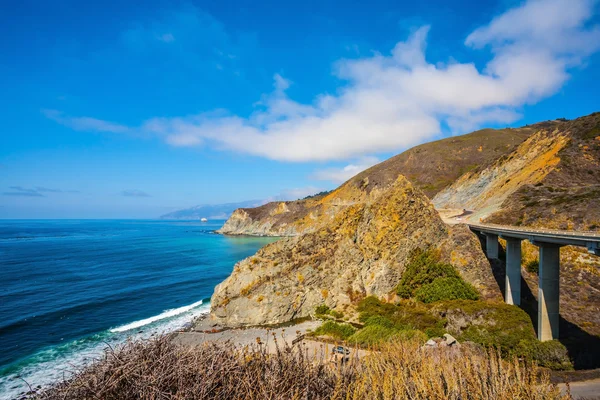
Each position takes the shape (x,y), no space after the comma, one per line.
(159,369)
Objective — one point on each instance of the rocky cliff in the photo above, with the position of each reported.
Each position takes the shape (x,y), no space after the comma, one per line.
(361,250)
(550,180)
(430,167)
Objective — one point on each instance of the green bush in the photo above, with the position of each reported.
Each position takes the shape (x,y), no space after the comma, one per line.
(438,330)
(424,267)
(490,324)
(322,310)
(372,306)
(379,320)
(533,266)
(335,330)
(405,315)
(373,334)
(412,334)
(449,288)
(551,354)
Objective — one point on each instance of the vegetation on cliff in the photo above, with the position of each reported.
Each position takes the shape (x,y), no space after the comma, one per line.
(424,313)
(491,325)
(429,280)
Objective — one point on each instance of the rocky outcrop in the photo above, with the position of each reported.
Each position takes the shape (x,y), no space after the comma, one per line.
(360,251)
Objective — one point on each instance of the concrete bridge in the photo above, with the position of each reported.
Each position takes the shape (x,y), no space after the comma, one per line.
(549,243)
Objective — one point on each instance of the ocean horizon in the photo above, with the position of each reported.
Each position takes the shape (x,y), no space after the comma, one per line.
(72,287)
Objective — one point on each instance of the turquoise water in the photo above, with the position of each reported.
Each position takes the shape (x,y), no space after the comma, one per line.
(67,288)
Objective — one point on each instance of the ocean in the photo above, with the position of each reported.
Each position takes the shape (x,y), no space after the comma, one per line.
(70,287)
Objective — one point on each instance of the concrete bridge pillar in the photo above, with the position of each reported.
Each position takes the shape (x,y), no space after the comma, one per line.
(548,295)
(491,245)
(513,271)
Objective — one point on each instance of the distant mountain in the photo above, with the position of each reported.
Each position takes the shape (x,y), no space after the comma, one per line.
(212,211)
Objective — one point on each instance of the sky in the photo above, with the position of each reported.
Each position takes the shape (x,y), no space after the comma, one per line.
(132,109)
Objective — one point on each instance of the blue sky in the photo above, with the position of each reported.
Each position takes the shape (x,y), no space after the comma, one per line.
(132,109)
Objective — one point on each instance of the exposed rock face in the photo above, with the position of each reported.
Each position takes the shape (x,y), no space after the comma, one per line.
(360,251)
(430,167)
(529,164)
(551,180)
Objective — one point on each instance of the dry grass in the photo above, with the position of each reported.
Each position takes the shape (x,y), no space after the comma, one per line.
(159,369)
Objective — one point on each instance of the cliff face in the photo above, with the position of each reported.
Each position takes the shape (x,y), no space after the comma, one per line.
(551,180)
(362,250)
(430,167)
(488,188)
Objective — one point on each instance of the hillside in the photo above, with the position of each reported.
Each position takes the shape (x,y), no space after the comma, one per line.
(430,167)
(551,180)
(362,251)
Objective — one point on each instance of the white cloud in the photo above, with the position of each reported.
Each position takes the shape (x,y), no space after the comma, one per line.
(401,99)
(87,124)
(167,38)
(340,175)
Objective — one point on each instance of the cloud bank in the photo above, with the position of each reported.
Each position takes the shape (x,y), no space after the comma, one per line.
(396,100)
(134,193)
(37,191)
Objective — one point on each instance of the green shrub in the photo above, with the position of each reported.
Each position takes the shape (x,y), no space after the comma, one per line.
(551,354)
(489,324)
(438,330)
(424,267)
(373,334)
(533,266)
(450,288)
(335,330)
(405,315)
(322,310)
(372,306)
(379,320)
(412,334)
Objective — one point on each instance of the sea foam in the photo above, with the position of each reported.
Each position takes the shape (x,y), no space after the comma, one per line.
(165,314)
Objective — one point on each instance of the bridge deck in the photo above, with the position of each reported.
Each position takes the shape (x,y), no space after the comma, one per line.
(590,240)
